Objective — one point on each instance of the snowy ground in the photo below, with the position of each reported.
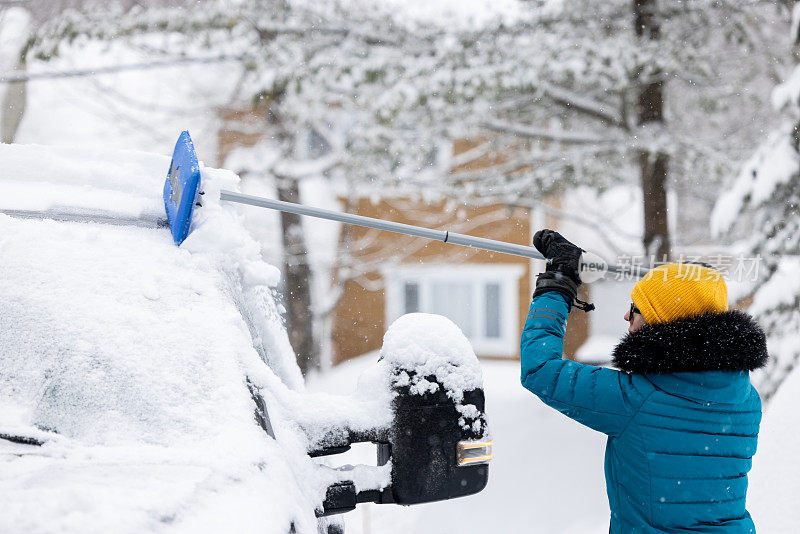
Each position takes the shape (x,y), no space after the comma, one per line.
(775,479)
(546,476)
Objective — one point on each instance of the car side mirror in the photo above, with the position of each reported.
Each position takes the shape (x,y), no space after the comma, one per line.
(437,447)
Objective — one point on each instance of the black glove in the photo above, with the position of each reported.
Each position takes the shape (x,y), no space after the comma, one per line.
(562,256)
(563,267)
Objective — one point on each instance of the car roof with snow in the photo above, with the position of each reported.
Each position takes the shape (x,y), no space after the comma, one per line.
(128,365)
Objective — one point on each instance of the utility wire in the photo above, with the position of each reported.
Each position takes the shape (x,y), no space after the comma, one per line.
(16,78)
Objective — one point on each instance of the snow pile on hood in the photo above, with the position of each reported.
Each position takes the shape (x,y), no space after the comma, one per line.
(80,180)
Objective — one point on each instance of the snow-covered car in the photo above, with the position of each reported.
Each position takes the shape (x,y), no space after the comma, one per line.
(146,387)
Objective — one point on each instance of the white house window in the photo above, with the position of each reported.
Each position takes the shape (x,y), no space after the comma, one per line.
(481,299)
(455,301)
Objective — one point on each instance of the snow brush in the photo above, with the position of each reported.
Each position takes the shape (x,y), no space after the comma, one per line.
(182,187)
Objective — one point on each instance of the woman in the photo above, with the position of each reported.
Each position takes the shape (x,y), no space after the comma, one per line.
(681,415)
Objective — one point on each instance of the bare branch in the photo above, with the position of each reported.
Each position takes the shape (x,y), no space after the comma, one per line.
(14,78)
(266,34)
(572,138)
(474,153)
(584,105)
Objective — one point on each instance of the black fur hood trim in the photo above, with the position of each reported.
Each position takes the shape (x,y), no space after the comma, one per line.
(727,341)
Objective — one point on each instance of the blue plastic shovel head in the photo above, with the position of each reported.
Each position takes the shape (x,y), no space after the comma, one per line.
(181,188)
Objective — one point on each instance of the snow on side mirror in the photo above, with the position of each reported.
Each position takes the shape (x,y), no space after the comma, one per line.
(439,415)
(436,442)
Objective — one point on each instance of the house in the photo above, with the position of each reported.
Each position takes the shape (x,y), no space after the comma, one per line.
(486,294)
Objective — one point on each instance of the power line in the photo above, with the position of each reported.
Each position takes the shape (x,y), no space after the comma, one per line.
(15,78)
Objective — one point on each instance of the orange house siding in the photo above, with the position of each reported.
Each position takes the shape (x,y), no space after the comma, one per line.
(240,128)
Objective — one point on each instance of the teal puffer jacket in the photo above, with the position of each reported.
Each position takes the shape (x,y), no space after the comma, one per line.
(681,417)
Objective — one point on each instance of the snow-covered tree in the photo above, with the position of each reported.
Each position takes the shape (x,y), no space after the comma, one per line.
(555,92)
(657,93)
(20,25)
(762,206)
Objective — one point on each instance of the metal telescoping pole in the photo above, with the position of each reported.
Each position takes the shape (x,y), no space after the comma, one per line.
(379,224)
(400,228)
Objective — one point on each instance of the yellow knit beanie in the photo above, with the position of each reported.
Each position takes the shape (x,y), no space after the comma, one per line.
(678,290)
